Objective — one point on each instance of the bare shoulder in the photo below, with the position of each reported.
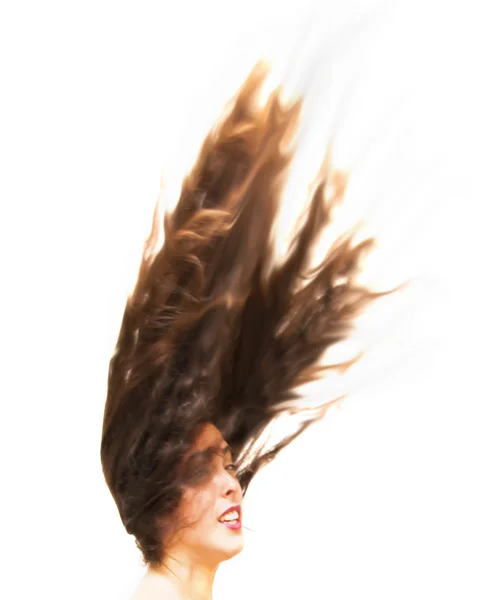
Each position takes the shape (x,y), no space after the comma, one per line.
(148,594)
(155,587)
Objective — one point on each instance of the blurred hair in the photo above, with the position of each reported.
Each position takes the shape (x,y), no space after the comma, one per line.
(214,330)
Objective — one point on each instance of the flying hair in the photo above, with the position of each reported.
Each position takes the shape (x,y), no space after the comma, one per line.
(214,330)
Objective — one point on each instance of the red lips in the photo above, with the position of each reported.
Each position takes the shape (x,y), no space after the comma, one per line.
(237,507)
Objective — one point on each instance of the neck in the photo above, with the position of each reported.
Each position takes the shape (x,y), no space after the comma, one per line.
(193,578)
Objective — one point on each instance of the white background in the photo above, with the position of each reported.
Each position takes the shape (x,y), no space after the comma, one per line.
(391,495)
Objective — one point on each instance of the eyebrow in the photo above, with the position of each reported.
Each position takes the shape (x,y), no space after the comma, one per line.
(206,451)
(227,449)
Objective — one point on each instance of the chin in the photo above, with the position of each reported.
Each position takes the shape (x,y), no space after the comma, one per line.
(231,552)
(229,549)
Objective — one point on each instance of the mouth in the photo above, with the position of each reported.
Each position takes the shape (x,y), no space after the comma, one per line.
(232,517)
(235,525)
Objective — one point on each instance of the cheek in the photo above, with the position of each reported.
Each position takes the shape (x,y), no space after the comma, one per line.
(199,509)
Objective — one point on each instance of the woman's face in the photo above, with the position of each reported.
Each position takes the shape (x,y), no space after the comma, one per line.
(212,490)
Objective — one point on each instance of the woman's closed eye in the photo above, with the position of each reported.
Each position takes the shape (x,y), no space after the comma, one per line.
(232,467)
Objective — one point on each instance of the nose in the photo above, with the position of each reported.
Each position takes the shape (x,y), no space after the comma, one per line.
(230,487)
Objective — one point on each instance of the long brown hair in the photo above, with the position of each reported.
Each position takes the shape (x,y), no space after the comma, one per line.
(214,330)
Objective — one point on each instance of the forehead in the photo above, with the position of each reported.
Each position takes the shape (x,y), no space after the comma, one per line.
(207,439)
(208,436)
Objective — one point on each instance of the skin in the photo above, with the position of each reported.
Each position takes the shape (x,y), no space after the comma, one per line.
(192,559)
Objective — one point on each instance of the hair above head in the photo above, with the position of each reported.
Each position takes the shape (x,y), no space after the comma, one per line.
(214,331)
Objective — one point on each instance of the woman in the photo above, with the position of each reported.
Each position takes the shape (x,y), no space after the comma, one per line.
(215,339)
(214,536)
